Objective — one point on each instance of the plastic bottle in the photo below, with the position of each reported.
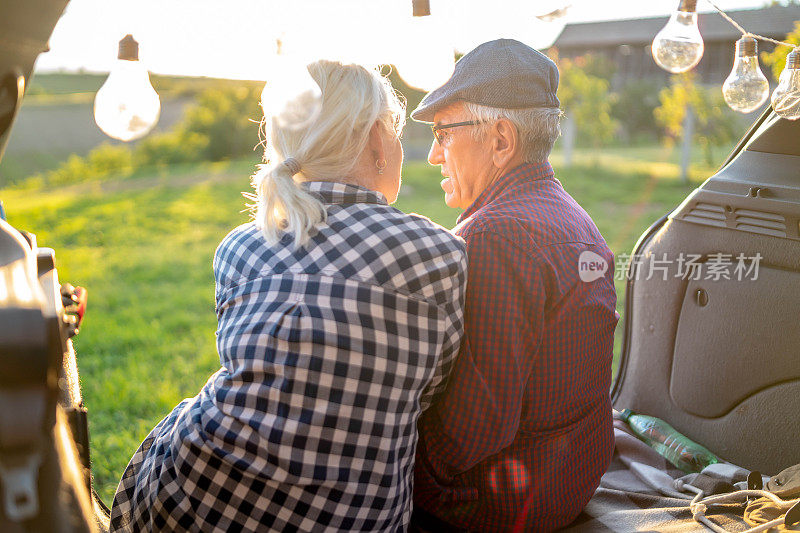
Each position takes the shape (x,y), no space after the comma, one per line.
(676,448)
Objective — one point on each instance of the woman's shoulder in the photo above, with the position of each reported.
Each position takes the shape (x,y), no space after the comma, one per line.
(435,263)
(373,242)
(396,224)
(405,251)
(240,234)
(236,244)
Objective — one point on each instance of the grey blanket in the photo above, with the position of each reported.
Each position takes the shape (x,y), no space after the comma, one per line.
(637,492)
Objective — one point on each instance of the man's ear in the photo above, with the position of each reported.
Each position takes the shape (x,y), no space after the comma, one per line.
(505,143)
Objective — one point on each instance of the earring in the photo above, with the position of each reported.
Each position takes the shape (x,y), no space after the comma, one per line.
(380,164)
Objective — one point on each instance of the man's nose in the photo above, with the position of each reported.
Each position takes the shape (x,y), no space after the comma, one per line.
(435,155)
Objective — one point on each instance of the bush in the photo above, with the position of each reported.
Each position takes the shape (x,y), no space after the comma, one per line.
(110,159)
(170,148)
(228,118)
(221,125)
(105,160)
(74,169)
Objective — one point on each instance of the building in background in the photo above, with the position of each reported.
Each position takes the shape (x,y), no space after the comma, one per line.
(627,43)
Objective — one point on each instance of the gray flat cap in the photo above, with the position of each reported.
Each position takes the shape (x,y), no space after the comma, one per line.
(504,73)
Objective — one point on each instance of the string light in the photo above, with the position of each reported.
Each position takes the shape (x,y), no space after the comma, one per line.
(127,107)
(786,98)
(746,87)
(678,47)
(421,8)
(421,62)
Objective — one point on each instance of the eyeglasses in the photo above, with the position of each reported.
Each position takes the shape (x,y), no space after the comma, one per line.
(440,136)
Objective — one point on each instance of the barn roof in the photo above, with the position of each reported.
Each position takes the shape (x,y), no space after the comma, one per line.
(774,22)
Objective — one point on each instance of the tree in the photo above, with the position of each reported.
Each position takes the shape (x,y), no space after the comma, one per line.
(776,59)
(633,107)
(596,65)
(586,100)
(714,123)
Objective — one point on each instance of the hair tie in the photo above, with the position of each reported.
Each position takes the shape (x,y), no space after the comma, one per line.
(292,164)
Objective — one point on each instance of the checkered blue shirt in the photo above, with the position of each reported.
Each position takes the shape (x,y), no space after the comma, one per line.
(329,354)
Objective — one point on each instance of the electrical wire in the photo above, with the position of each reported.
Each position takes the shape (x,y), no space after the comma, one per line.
(699,505)
(747,33)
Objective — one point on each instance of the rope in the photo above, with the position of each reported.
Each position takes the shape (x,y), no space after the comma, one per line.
(747,33)
(699,506)
(728,18)
(796,47)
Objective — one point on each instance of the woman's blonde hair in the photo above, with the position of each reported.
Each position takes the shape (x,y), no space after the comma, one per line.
(325,147)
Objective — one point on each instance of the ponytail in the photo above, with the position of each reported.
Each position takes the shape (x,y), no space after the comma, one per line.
(282,206)
(327,132)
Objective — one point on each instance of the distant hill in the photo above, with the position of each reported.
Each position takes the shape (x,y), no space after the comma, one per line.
(57,117)
(61,83)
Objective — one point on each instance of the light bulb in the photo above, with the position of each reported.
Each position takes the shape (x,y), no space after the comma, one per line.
(421,8)
(786,98)
(746,87)
(127,107)
(424,58)
(678,47)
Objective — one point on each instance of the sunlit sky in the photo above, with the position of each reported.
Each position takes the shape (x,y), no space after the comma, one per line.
(236,38)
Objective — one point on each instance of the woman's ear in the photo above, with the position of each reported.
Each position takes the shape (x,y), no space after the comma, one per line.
(375,142)
(505,142)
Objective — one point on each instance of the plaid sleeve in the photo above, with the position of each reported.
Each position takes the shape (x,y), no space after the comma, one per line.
(221,265)
(480,412)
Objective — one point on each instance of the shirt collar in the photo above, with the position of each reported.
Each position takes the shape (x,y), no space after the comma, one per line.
(334,192)
(522,173)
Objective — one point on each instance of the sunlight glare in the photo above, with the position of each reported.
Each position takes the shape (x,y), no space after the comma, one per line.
(427,56)
(235,39)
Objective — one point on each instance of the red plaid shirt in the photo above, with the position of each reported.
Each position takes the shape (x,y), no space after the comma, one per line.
(523,433)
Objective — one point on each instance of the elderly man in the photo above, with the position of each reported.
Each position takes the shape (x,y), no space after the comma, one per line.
(523,433)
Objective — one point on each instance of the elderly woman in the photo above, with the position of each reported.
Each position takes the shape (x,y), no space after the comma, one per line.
(339,319)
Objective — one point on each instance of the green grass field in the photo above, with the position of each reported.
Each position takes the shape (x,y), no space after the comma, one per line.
(143,248)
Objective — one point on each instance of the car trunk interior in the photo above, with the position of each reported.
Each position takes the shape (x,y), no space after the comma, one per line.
(718,358)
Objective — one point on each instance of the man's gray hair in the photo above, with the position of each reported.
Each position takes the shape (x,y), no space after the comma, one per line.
(538,127)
